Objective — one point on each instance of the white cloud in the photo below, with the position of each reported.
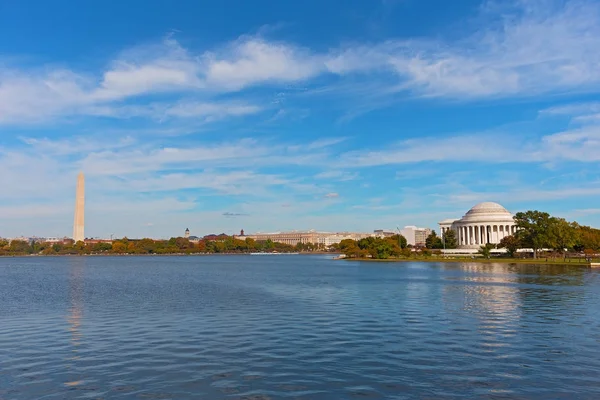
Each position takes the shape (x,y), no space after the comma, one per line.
(30,97)
(325,142)
(532,48)
(250,61)
(211,110)
(199,111)
(75,145)
(337,175)
(581,113)
(535,47)
(39,95)
(235,182)
(578,144)
(129,79)
(239,154)
(523,194)
(484,148)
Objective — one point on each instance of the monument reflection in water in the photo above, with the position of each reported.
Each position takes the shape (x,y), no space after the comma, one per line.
(75,315)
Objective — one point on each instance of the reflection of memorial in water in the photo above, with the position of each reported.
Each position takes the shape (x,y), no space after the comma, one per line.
(75,314)
(487,290)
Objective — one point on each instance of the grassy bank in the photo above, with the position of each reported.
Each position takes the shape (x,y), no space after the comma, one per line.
(542,261)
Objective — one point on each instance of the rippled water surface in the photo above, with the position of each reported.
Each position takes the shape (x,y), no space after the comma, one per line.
(300,327)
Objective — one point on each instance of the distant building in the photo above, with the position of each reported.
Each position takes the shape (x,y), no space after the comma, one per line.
(214,237)
(53,240)
(380,233)
(415,236)
(96,241)
(484,223)
(187,233)
(305,237)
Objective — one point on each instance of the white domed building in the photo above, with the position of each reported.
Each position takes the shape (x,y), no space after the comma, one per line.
(484,223)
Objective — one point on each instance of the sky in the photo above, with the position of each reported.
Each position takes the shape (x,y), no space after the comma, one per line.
(267,116)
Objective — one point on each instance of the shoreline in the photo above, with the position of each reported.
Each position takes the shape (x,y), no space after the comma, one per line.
(157,255)
(473,260)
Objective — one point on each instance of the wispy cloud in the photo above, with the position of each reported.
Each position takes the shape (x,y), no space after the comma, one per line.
(581,112)
(233,215)
(337,175)
(532,48)
(252,60)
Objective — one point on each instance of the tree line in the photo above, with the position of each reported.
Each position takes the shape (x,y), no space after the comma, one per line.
(179,245)
(536,230)
(374,247)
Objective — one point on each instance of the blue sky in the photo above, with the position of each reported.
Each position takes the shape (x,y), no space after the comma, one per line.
(276,115)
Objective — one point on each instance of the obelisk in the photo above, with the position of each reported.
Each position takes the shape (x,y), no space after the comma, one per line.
(78,223)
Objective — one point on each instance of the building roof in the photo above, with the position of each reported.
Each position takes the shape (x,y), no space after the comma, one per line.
(483,213)
(487,206)
(487,211)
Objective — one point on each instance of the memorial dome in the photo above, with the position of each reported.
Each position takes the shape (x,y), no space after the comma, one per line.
(487,211)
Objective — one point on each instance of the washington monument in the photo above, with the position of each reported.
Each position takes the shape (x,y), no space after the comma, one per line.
(78,223)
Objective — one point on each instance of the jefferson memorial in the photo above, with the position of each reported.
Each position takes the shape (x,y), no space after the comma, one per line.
(484,223)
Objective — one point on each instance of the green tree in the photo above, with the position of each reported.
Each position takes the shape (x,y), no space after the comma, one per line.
(511,244)
(269,245)
(486,250)
(407,252)
(351,249)
(399,240)
(119,247)
(146,246)
(80,247)
(383,250)
(449,239)
(433,241)
(251,244)
(562,235)
(366,243)
(533,229)
(588,238)
(102,247)
(19,247)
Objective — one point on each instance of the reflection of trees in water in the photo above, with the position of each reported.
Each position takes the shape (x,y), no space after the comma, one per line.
(550,291)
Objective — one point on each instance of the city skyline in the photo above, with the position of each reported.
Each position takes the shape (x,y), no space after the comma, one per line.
(345,116)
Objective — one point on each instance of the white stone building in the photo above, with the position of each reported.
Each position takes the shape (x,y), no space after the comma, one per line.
(484,223)
(415,236)
(294,237)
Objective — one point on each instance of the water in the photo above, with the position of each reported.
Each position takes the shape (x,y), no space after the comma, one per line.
(298,327)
